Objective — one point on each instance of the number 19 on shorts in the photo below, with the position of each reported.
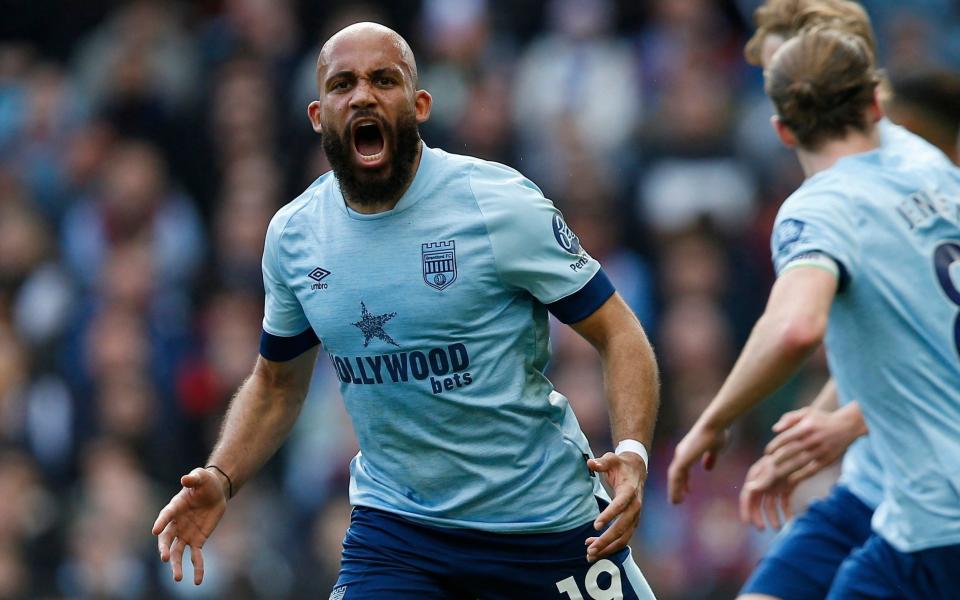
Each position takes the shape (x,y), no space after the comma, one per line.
(613,591)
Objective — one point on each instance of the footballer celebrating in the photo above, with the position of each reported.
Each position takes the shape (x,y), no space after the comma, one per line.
(427,277)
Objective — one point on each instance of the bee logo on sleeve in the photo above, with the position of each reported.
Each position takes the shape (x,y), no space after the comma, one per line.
(439,264)
(565,236)
(788,233)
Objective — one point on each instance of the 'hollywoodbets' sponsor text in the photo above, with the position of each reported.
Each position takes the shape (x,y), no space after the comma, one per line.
(445,367)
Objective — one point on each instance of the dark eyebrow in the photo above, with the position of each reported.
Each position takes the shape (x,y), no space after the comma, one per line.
(339,74)
(388,71)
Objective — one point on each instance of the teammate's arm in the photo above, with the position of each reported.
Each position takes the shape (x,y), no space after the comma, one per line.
(792,326)
(632,389)
(258,420)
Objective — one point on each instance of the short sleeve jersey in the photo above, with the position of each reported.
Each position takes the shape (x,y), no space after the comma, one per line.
(435,317)
(891,221)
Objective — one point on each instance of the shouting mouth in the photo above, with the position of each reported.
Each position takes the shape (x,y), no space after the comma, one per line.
(369,143)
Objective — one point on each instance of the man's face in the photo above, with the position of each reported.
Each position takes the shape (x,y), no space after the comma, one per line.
(368,113)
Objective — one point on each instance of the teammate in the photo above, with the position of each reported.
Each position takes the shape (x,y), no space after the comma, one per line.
(803,560)
(864,251)
(427,277)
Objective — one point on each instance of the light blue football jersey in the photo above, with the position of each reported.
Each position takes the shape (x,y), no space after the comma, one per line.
(435,317)
(891,220)
(861,471)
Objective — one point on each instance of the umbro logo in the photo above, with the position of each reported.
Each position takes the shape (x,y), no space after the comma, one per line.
(318,275)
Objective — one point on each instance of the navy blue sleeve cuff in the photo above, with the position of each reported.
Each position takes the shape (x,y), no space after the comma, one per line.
(583,303)
(280,349)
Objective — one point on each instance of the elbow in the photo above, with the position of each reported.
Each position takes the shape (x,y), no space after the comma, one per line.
(799,334)
(802,335)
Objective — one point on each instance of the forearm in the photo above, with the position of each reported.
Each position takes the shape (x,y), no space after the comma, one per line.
(257,422)
(632,386)
(769,358)
(827,399)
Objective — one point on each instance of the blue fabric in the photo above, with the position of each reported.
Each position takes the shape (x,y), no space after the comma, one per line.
(878,571)
(804,559)
(278,348)
(434,316)
(892,219)
(580,305)
(387,556)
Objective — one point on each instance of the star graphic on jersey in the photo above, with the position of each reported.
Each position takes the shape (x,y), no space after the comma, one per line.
(371,326)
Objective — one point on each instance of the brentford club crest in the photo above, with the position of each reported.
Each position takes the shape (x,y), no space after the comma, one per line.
(439,264)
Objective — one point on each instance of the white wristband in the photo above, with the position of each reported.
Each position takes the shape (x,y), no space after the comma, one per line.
(633,446)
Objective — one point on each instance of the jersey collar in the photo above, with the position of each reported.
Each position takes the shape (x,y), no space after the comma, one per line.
(410,197)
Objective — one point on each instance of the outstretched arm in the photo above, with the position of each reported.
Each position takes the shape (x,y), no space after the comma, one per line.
(258,420)
(632,390)
(792,326)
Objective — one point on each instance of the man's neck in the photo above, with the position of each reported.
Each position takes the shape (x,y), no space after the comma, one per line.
(829,153)
(385,204)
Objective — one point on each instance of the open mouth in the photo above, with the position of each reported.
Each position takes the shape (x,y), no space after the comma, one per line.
(369,143)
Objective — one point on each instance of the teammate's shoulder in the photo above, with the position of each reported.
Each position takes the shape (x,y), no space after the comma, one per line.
(828,192)
(296,206)
(902,145)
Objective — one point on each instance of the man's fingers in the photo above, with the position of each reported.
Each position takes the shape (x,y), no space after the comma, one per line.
(196,558)
(770,509)
(805,472)
(165,539)
(789,419)
(164,518)
(614,538)
(791,436)
(785,507)
(604,463)
(620,502)
(750,497)
(622,528)
(677,481)
(176,559)
(709,460)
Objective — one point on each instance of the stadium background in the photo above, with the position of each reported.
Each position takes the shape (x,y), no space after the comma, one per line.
(144,147)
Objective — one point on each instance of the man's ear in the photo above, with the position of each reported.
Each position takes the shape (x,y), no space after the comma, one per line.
(422,105)
(875,111)
(313,113)
(783,132)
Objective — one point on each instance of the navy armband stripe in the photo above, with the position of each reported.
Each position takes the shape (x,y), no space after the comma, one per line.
(279,349)
(584,302)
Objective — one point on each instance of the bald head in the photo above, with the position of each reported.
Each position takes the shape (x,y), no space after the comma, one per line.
(372,36)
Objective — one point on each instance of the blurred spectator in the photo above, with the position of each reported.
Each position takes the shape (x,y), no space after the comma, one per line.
(136,199)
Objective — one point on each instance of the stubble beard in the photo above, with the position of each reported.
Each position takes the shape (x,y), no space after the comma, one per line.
(372,189)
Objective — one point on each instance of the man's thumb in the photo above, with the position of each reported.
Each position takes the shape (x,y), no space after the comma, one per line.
(192,479)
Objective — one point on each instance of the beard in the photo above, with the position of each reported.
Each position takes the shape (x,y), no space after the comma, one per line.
(373,188)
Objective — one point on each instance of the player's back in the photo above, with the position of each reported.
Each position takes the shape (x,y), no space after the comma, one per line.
(893,224)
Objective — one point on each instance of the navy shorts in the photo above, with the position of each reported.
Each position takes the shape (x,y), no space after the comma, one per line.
(804,559)
(388,556)
(878,571)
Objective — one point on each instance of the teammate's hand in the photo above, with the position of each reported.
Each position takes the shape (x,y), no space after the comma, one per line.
(765,489)
(701,442)
(816,440)
(626,473)
(189,519)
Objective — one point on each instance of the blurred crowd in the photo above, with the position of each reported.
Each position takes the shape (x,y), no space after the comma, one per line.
(144,146)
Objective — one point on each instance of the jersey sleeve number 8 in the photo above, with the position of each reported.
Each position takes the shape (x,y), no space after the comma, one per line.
(614,591)
(945,256)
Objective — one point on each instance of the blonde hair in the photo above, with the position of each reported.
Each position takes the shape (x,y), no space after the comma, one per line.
(822,82)
(787,18)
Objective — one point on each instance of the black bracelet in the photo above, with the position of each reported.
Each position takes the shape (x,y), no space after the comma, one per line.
(229,482)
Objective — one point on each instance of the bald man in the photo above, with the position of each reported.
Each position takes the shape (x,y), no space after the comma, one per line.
(428,278)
